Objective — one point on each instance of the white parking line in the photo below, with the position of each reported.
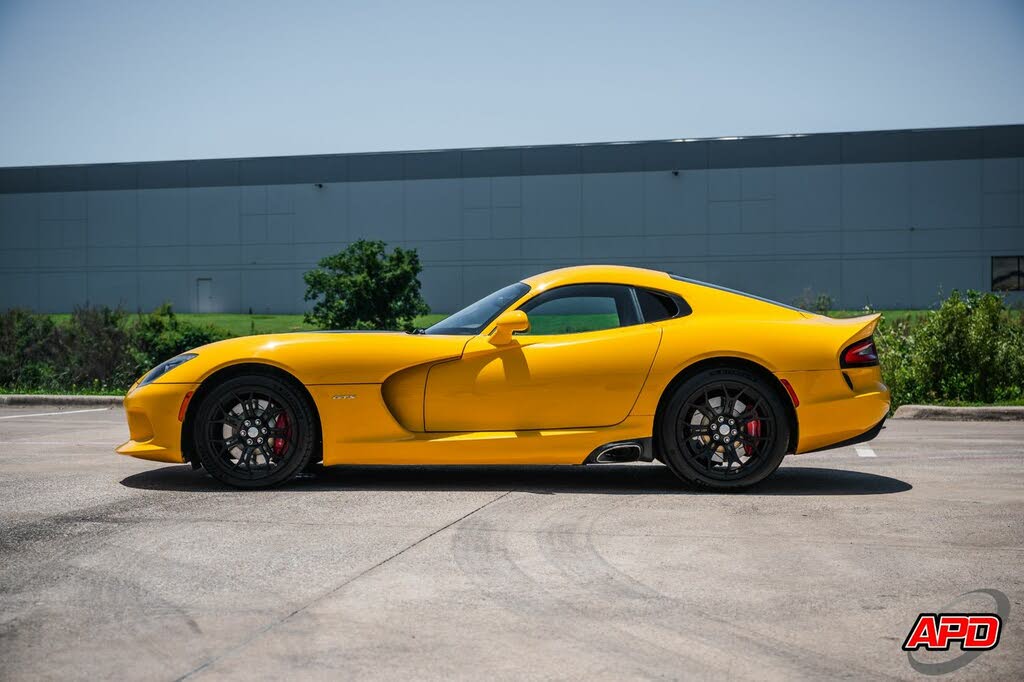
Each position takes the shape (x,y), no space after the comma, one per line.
(61,442)
(50,414)
(865,452)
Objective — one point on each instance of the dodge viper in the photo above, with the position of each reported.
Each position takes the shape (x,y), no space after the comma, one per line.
(583,365)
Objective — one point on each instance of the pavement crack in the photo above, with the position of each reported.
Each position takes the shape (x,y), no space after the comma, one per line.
(337,588)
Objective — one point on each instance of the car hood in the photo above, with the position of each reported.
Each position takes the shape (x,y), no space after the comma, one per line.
(343,357)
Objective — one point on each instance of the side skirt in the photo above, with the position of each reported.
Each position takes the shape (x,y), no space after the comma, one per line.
(549,446)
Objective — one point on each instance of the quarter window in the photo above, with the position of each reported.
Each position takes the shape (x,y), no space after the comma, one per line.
(656,306)
(1008,273)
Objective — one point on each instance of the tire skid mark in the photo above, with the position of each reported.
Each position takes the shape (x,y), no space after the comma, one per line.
(646,606)
(484,555)
(144,619)
(797,657)
(260,632)
(80,532)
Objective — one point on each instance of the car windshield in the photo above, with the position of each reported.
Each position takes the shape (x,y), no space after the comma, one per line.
(475,317)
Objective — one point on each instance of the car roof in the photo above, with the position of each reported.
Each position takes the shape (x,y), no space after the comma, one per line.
(604,274)
(689,289)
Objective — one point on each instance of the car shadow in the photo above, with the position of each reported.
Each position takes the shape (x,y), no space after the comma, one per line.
(605,479)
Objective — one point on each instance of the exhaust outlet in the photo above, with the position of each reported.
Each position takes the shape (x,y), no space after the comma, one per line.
(619,452)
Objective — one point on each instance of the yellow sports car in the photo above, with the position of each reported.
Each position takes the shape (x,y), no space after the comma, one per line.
(583,365)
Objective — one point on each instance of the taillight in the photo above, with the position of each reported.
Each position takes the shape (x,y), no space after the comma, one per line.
(860,354)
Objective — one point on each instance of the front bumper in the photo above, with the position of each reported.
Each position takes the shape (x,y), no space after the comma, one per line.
(153,425)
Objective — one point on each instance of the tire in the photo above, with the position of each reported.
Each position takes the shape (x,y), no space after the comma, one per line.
(746,414)
(254,431)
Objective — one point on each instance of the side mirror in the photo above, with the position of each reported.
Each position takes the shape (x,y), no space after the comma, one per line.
(507,323)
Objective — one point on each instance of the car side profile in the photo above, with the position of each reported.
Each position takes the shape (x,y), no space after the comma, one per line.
(582,365)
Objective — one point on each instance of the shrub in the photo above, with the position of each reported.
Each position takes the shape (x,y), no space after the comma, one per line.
(160,335)
(365,287)
(92,348)
(97,349)
(27,352)
(970,350)
(895,343)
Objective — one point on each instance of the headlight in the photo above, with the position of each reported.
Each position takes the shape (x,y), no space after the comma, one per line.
(165,367)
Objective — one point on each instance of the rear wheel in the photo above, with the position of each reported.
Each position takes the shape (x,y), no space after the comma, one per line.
(724,429)
(254,432)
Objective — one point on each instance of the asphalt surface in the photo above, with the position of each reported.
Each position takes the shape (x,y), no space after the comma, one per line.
(114,567)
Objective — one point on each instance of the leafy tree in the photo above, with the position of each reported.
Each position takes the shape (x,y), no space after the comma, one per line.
(365,287)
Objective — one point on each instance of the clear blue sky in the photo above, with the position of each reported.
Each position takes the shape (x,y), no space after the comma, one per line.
(85,81)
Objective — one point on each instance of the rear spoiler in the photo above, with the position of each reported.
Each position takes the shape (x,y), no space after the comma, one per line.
(859,327)
(840,332)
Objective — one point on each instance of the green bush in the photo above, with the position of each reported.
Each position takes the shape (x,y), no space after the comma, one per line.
(97,350)
(895,343)
(91,348)
(161,335)
(970,350)
(365,287)
(27,349)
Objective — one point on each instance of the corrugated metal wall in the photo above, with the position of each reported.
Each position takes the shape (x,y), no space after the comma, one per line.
(889,233)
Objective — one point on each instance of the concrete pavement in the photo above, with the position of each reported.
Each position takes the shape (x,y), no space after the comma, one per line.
(117,567)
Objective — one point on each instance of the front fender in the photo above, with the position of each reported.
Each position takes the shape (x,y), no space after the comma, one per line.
(321,358)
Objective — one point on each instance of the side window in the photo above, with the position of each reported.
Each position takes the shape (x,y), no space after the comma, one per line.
(656,306)
(581,308)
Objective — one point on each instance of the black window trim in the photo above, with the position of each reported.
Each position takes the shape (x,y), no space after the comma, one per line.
(682,307)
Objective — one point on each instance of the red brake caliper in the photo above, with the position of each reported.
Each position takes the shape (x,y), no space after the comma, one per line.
(753,429)
(281,441)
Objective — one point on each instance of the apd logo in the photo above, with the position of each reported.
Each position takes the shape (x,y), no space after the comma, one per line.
(974,633)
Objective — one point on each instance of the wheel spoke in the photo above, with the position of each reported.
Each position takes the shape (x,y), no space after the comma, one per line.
(726,401)
(230,422)
(707,454)
(732,455)
(240,403)
(227,445)
(750,413)
(241,456)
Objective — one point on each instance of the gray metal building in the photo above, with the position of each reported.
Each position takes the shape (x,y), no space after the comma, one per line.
(888,219)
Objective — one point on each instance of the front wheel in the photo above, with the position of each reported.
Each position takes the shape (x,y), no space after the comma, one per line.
(254,432)
(724,429)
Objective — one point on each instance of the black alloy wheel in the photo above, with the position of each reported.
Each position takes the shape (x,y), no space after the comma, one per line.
(254,432)
(724,429)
